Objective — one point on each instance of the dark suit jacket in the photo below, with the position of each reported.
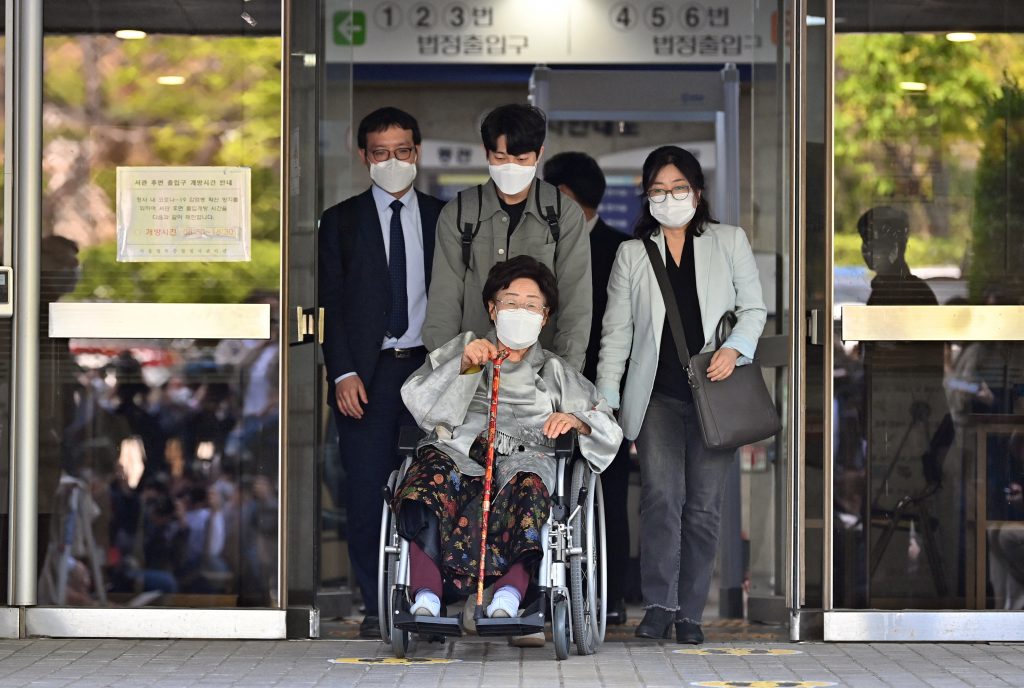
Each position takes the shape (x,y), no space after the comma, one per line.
(354,287)
(604,242)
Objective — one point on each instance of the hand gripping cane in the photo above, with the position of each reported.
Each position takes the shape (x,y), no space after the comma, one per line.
(492,419)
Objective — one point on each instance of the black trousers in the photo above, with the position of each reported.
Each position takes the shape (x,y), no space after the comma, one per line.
(369,452)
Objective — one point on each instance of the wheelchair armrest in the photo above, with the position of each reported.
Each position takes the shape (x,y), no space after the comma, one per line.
(409,437)
(564,446)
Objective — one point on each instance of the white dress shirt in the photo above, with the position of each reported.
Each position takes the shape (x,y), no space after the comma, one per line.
(415,273)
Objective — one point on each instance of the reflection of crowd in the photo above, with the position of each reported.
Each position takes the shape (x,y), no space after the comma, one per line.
(899,408)
(167,475)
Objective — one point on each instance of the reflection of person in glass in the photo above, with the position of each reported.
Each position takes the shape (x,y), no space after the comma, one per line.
(985,385)
(906,434)
(1006,537)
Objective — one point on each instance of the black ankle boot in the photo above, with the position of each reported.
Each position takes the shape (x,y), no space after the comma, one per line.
(689,633)
(657,624)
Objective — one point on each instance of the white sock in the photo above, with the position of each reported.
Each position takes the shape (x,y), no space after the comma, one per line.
(507,599)
(425,599)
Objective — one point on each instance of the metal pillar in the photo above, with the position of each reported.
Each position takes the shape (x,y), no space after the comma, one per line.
(25,51)
(727,148)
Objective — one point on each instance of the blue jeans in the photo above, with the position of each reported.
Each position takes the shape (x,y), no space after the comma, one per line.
(680,507)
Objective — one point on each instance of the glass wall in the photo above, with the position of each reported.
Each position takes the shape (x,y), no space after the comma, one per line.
(5,356)
(158,466)
(929,435)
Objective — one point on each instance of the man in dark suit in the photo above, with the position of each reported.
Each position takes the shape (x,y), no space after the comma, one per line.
(375,254)
(579,177)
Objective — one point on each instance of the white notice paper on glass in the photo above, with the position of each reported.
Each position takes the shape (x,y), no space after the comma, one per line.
(183,214)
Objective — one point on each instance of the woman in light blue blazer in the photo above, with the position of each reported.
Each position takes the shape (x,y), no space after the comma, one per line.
(711,270)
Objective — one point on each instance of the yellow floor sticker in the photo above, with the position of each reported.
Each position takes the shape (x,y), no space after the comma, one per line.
(763,684)
(391,661)
(737,651)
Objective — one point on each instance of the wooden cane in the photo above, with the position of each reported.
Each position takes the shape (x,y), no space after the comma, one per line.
(492,420)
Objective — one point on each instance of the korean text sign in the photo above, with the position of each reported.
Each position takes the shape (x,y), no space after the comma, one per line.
(183,214)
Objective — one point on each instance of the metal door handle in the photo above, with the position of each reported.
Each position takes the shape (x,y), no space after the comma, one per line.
(309,324)
(815,327)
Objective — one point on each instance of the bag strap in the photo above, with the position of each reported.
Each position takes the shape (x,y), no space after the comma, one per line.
(551,213)
(675,323)
(469,231)
(724,328)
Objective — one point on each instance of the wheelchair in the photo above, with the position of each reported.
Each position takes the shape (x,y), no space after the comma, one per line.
(570,579)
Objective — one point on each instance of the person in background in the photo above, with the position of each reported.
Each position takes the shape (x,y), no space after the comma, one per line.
(579,177)
(513,214)
(375,254)
(711,270)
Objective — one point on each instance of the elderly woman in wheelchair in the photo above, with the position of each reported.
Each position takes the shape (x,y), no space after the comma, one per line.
(437,503)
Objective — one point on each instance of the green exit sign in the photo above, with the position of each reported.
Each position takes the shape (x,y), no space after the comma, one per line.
(349,28)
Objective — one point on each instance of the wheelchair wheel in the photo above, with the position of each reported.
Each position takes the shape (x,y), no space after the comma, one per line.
(560,627)
(400,640)
(587,570)
(387,564)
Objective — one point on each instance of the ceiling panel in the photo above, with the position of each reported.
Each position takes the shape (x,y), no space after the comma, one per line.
(201,17)
(225,16)
(982,16)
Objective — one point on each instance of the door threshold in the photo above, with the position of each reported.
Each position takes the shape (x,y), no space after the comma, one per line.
(206,624)
(924,626)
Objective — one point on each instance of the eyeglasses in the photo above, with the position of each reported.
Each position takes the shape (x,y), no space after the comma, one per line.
(529,306)
(382,154)
(680,193)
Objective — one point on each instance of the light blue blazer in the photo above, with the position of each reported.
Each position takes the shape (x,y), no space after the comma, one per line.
(726,280)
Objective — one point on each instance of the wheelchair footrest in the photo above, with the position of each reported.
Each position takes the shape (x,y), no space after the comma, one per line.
(428,625)
(515,625)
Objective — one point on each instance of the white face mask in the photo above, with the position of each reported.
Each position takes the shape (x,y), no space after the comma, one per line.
(518,328)
(393,175)
(673,213)
(511,178)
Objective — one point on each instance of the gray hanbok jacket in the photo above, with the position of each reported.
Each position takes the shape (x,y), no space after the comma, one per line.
(452,408)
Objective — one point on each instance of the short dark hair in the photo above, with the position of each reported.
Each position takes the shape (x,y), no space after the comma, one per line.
(523,126)
(383,119)
(884,222)
(646,225)
(580,173)
(526,267)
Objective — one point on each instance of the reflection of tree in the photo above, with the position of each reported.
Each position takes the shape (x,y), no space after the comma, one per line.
(915,149)
(103,107)
(998,237)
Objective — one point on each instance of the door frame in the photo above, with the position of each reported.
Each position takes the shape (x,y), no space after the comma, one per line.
(22,618)
(846,625)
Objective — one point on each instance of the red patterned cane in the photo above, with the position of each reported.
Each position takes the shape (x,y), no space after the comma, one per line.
(492,420)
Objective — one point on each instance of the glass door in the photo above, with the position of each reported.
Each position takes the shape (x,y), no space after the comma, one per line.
(926,443)
(318,103)
(159,331)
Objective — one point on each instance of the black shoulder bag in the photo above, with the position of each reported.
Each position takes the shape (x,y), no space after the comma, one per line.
(732,412)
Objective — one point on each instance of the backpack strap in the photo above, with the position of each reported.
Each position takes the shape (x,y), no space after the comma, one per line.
(551,213)
(469,231)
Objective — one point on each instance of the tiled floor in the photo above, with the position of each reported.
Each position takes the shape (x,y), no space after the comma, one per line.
(475,662)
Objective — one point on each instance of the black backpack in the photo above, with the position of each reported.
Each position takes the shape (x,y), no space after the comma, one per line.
(551,212)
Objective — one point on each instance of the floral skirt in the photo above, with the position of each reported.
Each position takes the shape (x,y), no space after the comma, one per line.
(518,511)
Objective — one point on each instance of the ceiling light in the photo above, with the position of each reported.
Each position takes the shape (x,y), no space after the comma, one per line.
(130,34)
(170,80)
(813,20)
(961,37)
(913,86)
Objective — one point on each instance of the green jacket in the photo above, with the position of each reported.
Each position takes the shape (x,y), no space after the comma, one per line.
(455,303)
